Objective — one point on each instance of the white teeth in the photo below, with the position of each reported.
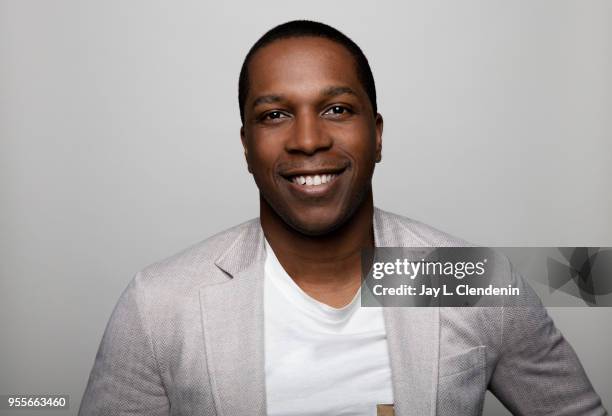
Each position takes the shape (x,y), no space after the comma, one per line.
(313,180)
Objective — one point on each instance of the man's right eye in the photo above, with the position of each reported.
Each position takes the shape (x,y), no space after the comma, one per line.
(273,116)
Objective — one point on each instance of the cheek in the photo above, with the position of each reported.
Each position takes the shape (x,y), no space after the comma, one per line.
(360,144)
(263,154)
(263,164)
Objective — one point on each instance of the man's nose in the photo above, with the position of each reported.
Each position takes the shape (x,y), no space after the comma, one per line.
(308,135)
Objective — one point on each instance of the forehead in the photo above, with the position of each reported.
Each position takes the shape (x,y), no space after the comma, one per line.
(301,64)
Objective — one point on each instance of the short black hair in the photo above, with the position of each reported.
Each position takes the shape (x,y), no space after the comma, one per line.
(308,28)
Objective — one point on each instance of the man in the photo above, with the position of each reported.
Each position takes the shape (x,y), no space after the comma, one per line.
(264,318)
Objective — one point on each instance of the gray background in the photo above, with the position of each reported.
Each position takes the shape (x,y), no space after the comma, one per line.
(119,146)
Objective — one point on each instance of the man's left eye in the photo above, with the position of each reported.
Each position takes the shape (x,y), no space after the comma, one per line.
(337,110)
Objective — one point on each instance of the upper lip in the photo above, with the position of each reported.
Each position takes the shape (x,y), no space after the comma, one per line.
(313,171)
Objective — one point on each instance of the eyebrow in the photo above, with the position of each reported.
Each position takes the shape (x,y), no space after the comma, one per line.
(332,91)
(267,99)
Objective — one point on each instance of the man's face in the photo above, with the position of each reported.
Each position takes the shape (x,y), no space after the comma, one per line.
(310,136)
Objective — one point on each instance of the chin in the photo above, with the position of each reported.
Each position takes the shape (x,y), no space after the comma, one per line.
(317,224)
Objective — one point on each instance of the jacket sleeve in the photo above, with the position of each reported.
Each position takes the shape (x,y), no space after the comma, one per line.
(538,372)
(125,378)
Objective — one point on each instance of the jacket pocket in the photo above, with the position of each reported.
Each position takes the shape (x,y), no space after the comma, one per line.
(462,383)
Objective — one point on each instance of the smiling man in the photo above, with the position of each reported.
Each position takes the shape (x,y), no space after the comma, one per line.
(265,318)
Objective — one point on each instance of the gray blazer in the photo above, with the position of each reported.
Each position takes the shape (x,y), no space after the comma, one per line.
(186,338)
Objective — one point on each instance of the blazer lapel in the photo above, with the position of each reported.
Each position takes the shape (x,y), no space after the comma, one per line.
(232,320)
(412,338)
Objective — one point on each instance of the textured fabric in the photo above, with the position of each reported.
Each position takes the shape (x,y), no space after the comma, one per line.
(321,360)
(187,338)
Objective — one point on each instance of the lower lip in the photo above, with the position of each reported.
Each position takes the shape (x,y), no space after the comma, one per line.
(314,190)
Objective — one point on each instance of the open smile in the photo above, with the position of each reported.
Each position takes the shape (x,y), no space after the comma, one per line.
(314,180)
(313,183)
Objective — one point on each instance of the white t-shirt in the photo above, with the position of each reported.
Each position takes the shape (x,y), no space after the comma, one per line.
(321,360)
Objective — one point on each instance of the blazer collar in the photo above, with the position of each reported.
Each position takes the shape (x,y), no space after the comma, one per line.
(247,249)
(232,320)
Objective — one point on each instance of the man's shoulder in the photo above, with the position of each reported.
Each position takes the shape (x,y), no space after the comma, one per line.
(393,230)
(195,265)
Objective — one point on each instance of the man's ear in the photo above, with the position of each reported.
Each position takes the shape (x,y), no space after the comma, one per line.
(379,131)
(244,146)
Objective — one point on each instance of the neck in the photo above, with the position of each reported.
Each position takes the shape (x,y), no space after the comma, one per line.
(327,267)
